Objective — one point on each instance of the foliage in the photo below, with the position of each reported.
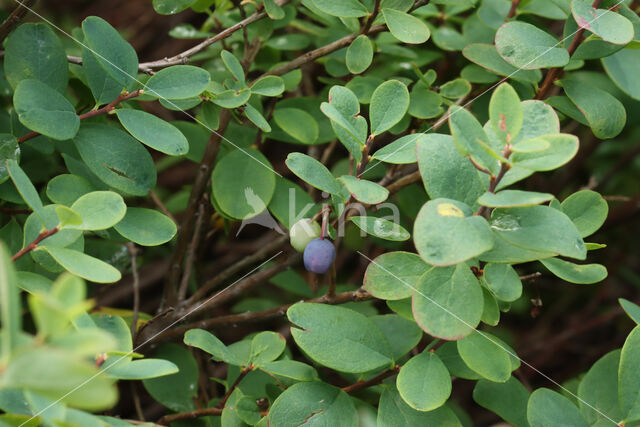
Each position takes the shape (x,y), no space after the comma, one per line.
(319,117)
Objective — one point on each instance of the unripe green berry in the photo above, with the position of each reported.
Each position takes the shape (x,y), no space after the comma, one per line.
(303,232)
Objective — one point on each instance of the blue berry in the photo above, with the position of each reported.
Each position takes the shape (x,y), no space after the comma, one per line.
(318,255)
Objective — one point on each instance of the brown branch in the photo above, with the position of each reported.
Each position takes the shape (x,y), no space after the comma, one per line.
(15,211)
(199,185)
(193,247)
(227,273)
(495,180)
(554,73)
(93,113)
(319,52)
(191,415)
(154,197)
(254,316)
(514,7)
(135,283)
(371,382)
(33,245)
(14,18)
(530,276)
(374,14)
(243,374)
(183,57)
(404,181)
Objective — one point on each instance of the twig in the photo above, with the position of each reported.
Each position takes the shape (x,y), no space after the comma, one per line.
(317,53)
(254,316)
(235,268)
(183,57)
(374,14)
(404,181)
(133,252)
(480,168)
(371,382)
(159,204)
(199,185)
(33,245)
(514,7)
(243,374)
(193,247)
(191,415)
(14,211)
(530,276)
(495,180)
(554,73)
(136,401)
(14,18)
(365,156)
(93,113)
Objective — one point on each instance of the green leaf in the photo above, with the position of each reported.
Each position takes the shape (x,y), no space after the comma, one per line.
(10,305)
(46,61)
(403,334)
(68,218)
(175,391)
(9,150)
(389,103)
(348,126)
(604,113)
(116,158)
(171,7)
(243,183)
(146,227)
(629,376)
(394,412)
(313,173)
(232,98)
(470,138)
(273,10)
(528,47)
(59,374)
(209,343)
(339,338)
(486,56)
(620,67)
(268,86)
(342,9)
(65,189)
(266,346)
(405,27)
(632,310)
(83,265)
(455,89)
(449,355)
(392,276)
(142,369)
(289,202)
(513,198)
(539,228)
(290,369)
(297,123)
(424,103)
(446,233)
(599,389)
(562,148)
(609,25)
(505,112)
(587,209)
(576,273)
(381,228)
(44,110)
(508,400)
(402,150)
(312,403)
(25,187)
(490,309)
(178,82)
(546,407)
(503,281)
(359,54)
(445,173)
(99,210)
(486,355)
(424,382)
(153,131)
(103,87)
(111,51)
(256,118)
(233,65)
(365,191)
(447,302)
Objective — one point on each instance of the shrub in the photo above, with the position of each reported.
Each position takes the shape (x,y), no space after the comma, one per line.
(418,168)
